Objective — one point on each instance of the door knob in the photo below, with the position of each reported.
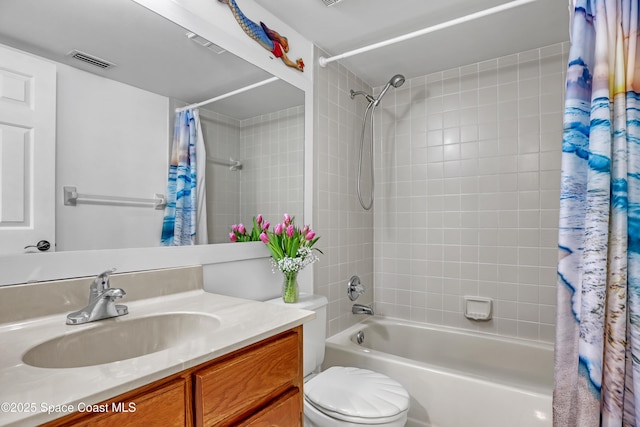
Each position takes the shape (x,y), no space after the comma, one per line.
(42,245)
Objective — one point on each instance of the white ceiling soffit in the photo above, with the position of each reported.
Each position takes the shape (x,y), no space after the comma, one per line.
(352,24)
(149,52)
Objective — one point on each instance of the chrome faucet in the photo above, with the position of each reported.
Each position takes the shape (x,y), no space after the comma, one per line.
(101,302)
(362,309)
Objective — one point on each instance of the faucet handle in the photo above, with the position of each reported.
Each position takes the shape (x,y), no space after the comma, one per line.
(354,288)
(100,284)
(102,280)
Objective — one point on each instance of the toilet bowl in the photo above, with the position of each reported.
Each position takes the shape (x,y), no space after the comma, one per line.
(344,396)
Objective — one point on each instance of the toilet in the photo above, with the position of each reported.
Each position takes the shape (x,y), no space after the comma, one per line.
(344,396)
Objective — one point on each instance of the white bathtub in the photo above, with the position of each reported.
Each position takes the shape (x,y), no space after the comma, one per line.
(455,378)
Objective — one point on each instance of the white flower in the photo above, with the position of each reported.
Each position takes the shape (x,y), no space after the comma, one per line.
(293,265)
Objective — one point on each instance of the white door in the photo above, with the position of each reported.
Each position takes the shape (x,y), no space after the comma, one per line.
(27,151)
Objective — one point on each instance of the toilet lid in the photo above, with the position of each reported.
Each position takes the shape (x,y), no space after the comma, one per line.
(352,394)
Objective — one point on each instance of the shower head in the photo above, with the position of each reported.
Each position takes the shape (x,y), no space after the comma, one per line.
(395,81)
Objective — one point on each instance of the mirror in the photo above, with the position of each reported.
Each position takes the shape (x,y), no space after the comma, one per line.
(114,125)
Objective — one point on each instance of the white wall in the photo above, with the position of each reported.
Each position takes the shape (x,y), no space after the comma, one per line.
(111,139)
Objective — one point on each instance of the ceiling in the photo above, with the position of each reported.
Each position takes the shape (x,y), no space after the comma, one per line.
(163,60)
(160,59)
(351,24)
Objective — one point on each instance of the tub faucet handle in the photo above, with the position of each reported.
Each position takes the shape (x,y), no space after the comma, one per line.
(354,288)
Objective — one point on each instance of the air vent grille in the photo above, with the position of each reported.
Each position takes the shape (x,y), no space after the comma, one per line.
(91,60)
(206,43)
(330,2)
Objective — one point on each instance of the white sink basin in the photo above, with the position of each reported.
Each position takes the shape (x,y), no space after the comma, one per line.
(112,340)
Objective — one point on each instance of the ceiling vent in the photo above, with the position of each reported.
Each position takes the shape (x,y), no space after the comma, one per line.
(91,60)
(206,43)
(330,2)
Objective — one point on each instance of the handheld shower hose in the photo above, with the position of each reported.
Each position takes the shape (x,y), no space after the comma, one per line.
(395,81)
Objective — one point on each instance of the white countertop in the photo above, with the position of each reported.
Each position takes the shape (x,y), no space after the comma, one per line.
(31,395)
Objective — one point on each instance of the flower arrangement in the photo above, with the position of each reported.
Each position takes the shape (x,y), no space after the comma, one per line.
(239,231)
(291,250)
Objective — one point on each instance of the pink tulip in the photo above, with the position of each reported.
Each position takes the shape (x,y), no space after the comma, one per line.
(241,229)
(234,227)
(305,229)
(310,235)
(279,229)
(266,225)
(259,219)
(290,230)
(287,219)
(264,238)
(233,237)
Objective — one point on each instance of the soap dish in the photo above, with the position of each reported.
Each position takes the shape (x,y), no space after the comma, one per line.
(477,308)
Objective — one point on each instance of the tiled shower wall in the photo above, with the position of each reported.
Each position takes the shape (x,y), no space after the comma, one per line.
(468,163)
(273,154)
(271,180)
(221,135)
(346,230)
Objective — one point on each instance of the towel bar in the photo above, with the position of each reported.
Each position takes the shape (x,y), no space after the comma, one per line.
(72,197)
(234,165)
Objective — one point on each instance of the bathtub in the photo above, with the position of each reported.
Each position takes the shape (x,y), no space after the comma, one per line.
(455,378)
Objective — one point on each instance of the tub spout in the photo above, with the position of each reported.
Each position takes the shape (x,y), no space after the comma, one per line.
(362,309)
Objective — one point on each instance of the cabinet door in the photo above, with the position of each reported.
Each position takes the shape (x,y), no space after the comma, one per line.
(285,412)
(238,387)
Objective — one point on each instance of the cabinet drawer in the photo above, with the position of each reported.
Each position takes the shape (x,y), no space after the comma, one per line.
(285,412)
(165,406)
(235,387)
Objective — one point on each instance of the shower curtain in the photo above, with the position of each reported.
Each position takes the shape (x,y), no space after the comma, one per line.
(185,218)
(598,329)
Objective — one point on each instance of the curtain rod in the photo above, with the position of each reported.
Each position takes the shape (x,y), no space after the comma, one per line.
(492,10)
(227,95)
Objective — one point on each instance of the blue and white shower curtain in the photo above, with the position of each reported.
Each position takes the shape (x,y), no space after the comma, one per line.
(185,214)
(598,326)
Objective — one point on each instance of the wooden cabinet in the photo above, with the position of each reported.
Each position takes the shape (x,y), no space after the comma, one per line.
(285,412)
(258,386)
(227,391)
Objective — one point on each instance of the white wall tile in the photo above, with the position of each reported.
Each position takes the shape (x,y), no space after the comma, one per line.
(498,197)
(467,192)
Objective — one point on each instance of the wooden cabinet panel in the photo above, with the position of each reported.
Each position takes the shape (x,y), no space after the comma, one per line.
(165,406)
(234,388)
(285,412)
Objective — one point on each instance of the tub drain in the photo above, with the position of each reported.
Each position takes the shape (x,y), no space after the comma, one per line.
(360,337)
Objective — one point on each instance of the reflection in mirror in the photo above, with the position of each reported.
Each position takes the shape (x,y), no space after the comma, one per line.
(114,125)
(270,181)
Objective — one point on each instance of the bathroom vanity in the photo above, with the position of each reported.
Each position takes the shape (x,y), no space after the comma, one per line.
(181,356)
(260,384)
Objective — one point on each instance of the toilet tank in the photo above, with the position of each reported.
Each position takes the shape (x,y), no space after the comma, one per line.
(313,331)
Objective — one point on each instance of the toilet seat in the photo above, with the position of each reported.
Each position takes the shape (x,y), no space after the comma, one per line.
(357,395)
